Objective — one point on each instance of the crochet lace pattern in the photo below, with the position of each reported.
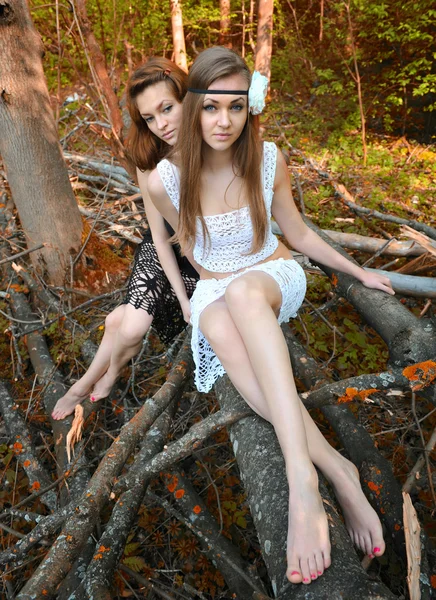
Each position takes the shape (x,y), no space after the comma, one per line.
(231,233)
(150,289)
(231,236)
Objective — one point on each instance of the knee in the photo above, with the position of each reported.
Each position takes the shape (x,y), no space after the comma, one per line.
(217,332)
(114,319)
(245,296)
(132,331)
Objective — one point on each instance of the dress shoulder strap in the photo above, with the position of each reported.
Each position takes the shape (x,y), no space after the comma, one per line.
(269,164)
(171,180)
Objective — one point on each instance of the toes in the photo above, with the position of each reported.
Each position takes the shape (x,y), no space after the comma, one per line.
(305,571)
(313,568)
(378,550)
(319,559)
(327,559)
(294,573)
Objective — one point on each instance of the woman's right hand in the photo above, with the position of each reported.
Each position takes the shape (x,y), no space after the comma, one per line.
(186,310)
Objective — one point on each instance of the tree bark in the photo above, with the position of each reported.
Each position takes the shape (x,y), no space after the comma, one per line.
(97,65)
(178,34)
(262,468)
(264,38)
(224,37)
(30,149)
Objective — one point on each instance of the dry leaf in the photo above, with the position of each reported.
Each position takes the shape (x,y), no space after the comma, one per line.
(75,433)
(412,532)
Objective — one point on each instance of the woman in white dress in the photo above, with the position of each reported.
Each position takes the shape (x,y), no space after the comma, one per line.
(218,193)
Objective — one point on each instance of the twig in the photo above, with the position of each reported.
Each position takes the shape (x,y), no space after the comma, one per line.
(203,536)
(20,254)
(413,476)
(75,309)
(426,457)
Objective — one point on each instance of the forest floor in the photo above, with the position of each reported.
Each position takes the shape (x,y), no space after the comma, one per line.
(399,179)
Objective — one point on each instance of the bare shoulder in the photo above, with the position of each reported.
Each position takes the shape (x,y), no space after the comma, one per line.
(142,177)
(282,173)
(155,187)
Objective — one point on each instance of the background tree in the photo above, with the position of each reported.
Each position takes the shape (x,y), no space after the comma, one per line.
(30,148)
(264,37)
(225,23)
(178,34)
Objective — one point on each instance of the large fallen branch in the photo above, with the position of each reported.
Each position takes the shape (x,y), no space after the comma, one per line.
(413,377)
(410,285)
(181,448)
(409,339)
(99,576)
(241,579)
(79,526)
(262,468)
(23,448)
(378,480)
(54,388)
(354,241)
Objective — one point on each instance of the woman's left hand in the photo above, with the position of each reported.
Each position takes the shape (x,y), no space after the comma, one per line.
(377,282)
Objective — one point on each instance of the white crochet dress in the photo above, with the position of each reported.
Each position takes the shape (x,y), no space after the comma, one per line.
(231,236)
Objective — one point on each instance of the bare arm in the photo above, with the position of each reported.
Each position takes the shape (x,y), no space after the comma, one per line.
(163,247)
(307,241)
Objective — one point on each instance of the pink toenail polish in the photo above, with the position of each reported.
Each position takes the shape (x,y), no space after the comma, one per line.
(313,575)
(319,572)
(295,573)
(306,579)
(376,550)
(92,398)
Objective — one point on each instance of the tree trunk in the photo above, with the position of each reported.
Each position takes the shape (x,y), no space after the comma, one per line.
(178,35)
(97,65)
(264,38)
(224,37)
(29,145)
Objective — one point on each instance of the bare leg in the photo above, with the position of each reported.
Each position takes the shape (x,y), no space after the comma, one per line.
(126,345)
(81,389)
(252,300)
(362,521)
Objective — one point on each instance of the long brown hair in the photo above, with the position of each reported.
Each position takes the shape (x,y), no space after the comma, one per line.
(213,64)
(144,149)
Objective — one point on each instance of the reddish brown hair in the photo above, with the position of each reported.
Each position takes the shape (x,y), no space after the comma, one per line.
(144,149)
(210,65)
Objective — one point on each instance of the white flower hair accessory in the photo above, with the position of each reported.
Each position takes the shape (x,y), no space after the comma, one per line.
(257,93)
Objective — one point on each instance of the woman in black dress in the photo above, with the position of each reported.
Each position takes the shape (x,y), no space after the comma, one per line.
(162,281)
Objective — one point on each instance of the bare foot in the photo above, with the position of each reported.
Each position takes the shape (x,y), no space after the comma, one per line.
(103,387)
(361,519)
(308,535)
(65,406)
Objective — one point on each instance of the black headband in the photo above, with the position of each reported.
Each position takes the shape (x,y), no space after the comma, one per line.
(231,92)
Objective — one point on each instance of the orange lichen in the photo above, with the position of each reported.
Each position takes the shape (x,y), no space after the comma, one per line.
(374,487)
(197,509)
(180,493)
(173,484)
(433,581)
(397,527)
(334,280)
(35,486)
(18,447)
(26,463)
(423,373)
(354,394)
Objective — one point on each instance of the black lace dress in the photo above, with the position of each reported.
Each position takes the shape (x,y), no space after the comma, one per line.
(150,289)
